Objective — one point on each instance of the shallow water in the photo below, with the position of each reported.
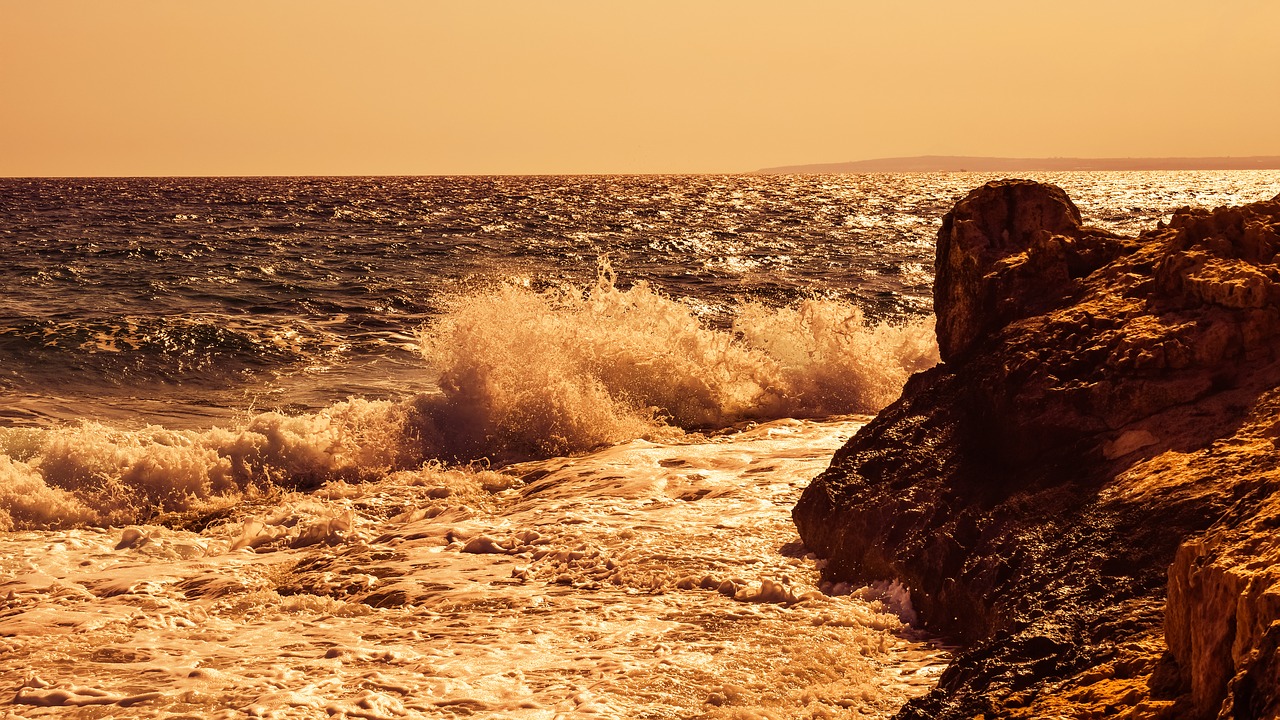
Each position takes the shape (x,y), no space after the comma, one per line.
(644,580)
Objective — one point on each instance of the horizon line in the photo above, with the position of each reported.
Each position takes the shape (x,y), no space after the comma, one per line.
(926,163)
(1062,163)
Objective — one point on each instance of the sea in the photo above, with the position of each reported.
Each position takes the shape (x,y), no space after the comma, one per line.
(438,447)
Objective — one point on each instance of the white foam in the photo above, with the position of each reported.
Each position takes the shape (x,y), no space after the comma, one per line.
(646,579)
(92,473)
(566,370)
(27,501)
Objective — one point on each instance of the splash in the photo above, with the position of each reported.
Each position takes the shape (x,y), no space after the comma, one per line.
(94,474)
(527,373)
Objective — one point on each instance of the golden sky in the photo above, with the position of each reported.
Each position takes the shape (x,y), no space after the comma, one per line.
(269,87)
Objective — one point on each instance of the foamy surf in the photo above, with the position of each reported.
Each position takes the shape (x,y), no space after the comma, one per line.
(522,375)
(644,580)
(565,370)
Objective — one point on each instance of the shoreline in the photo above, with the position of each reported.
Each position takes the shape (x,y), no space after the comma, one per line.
(1083,490)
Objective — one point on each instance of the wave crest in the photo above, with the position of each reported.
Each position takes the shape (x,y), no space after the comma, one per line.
(94,474)
(563,370)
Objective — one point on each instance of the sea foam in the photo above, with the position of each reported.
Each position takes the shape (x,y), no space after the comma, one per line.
(94,474)
(584,586)
(565,370)
(522,374)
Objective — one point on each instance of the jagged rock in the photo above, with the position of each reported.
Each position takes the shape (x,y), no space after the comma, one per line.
(1100,439)
(1224,599)
(1012,250)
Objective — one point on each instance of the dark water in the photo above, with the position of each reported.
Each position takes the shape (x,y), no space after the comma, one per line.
(181,301)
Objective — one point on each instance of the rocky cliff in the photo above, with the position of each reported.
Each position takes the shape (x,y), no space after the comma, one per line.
(1083,493)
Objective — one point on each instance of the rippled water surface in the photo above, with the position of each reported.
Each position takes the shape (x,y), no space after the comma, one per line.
(185,300)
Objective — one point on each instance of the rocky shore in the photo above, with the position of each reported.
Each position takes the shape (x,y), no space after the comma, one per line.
(1084,492)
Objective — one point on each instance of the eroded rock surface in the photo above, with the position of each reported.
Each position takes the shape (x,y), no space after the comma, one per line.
(1084,492)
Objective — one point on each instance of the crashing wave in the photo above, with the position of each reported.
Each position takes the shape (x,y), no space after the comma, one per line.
(522,374)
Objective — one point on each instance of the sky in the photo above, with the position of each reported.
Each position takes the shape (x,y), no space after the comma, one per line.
(430,87)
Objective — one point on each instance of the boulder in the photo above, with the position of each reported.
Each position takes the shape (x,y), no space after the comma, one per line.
(1084,492)
(1014,248)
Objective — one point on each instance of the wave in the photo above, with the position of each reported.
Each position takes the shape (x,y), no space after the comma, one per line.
(127,350)
(560,371)
(94,474)
(522,374)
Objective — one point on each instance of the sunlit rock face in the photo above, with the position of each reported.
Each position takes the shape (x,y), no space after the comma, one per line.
(1084,492)
(1015,249)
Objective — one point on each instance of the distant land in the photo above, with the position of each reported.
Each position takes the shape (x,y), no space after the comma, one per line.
(959,163)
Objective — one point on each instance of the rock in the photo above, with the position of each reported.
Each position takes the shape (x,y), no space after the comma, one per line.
(1084,492)
(1223,601)
(1009,249)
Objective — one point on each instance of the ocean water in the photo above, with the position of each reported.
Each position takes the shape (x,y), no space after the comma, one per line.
(434,447)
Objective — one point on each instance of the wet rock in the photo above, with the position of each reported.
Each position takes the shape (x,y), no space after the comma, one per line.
(1084,492)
